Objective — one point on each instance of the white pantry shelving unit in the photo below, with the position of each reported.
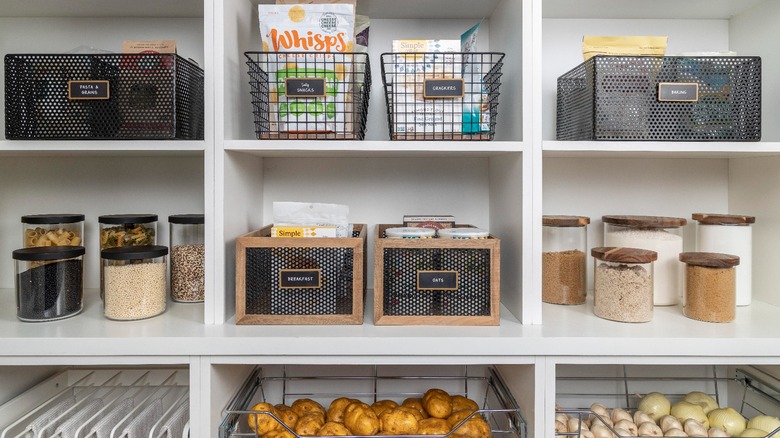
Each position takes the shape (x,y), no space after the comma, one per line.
(505,185)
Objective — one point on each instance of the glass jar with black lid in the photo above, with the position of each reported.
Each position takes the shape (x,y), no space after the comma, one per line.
(49,282)
(120,230)
(52,230)
(187,234)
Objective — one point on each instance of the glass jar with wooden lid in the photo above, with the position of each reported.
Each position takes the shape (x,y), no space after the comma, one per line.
(623,283)
(710,286)
(564,259)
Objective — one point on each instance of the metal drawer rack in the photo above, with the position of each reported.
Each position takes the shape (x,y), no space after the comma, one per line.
(90,403)
(370,384)
(759,392)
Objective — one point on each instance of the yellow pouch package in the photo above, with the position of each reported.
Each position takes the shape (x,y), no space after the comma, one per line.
(323,36)
(623,46)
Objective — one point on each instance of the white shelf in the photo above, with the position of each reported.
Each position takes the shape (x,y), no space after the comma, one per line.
(626,9)
(97,147)
(101,8)
(370,148)
(657,149)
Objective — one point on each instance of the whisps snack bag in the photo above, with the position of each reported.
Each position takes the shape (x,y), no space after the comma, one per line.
(308,91)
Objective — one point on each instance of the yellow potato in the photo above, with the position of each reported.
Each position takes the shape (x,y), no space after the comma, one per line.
(360,419)
(287,415)
(475,427)
(415,403)
(309,424)
(262,424)
(400,421)
(460,403)
(382,405)
(437,403)
(336,409)
(433,426)
(331,428)
(305,406)
(279,433)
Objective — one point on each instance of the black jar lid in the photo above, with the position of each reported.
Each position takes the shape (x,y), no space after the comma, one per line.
(119,219)
(39,219)
(194,219)
(43,253)
(134,252)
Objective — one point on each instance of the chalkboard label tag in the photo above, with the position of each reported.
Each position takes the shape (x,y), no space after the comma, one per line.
(678,92)
(88,90)
(442,88)
(300,278)
(437,280)
(304,87)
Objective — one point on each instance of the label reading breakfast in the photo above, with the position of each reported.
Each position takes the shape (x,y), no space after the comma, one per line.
(88,90)
(299,279)
(443,88)
(307,87)
(437,280)
(678,92)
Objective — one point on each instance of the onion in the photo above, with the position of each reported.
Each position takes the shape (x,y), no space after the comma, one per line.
(563,418)
(600,431)
(727,419)
(702,399)
(560,427)
(642,417)
(716,432)
(655,405)
(575,425)
(623,432)
(694,428)
(668,422)
(649,428)
(753,433)
(620,414)
(675,432)
(764,422)
(627,425)
(684,410)
(599,410)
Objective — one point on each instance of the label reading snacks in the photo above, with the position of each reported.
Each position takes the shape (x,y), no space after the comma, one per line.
(437,280)
(88,90)
(442,88)
(678,92)
(300,278)
(306,87)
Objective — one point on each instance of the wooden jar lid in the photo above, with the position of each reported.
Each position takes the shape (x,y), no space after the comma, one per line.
(646,221)
(624,255)
(709,259)
(723,219)
(565,221)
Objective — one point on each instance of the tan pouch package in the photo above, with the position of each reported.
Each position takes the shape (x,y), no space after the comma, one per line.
(623,46)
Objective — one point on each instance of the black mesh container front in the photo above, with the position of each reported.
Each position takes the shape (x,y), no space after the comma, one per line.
(151,96)
(402,298)
(472,117)
(340,114)
(616,98)
(265,297)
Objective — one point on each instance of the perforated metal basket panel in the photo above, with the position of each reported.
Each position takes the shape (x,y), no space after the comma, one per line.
(402,298)
(412,116)
(616,98)
(339,113)
(264,296)
(150,96)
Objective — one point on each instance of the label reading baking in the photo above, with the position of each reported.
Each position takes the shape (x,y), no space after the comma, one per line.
(678,92)
(88,90)
(442,88)
(437,280)
(306,87)
(300,279)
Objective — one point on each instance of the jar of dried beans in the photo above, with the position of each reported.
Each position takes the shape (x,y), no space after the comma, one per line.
(710,286)
(134,281)
(187,257)
(664,235)
(49,282)
(120,230)
(564,249)
(52,230)
(729,234)
(623,284)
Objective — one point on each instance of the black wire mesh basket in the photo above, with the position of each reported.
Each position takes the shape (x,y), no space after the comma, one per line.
(103,96)
(442,96)
(661,98)
(313,96)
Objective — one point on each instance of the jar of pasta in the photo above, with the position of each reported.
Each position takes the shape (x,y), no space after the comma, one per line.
(134,281)
(52,230)
(120,230)
(623,284)
(187,257)
(49,282)
(564,257)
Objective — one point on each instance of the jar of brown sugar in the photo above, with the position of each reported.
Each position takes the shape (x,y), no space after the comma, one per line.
(710,286)
(623,284)
(564,254)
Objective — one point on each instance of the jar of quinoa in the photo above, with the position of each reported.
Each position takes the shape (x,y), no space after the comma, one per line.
(187,257)
(134,281)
